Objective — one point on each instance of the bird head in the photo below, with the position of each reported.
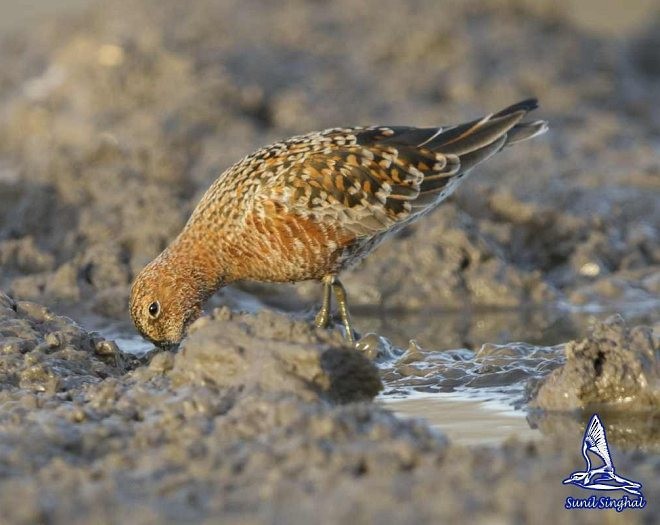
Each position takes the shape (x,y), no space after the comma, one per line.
(165,299)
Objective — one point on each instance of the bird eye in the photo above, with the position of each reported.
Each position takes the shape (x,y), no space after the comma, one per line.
(154,309)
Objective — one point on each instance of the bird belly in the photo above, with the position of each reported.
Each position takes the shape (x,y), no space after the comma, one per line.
(287,248)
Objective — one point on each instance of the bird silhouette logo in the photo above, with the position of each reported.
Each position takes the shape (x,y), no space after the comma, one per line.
(604,477)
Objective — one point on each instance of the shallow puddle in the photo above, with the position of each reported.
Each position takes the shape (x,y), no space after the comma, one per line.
(466,418)
(130,345)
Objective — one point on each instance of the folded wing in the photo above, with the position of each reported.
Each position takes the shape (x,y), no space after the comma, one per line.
(371,179)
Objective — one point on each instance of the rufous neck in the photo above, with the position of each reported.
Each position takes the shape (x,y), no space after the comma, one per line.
(200,259)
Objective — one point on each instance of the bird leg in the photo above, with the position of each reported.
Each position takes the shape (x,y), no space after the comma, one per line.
(342,303)
(323,317)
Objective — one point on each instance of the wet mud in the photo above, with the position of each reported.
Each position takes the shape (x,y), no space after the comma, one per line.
(255,419)
(614,365)
(114,121)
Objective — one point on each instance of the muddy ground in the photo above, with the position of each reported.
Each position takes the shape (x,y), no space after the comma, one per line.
(114,121)
(260,418)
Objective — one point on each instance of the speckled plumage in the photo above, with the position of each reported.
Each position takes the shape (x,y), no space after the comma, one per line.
(311,206)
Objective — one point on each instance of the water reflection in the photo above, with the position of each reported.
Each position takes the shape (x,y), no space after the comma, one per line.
(475,417)
(472,328)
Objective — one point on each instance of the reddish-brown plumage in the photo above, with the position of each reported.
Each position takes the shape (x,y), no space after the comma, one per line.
(309,207)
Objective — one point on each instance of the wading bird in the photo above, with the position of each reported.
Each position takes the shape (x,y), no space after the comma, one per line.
(310,207)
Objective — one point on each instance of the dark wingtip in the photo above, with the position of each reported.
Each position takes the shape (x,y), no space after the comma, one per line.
(529,104)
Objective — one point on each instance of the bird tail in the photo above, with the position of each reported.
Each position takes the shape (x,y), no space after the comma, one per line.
(476,141)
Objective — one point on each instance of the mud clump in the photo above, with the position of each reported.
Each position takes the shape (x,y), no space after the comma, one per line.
(614,366)
(273,353)
(248,400)
(43,352)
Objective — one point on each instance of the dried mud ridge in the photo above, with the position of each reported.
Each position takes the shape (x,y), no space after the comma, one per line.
(266,418)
